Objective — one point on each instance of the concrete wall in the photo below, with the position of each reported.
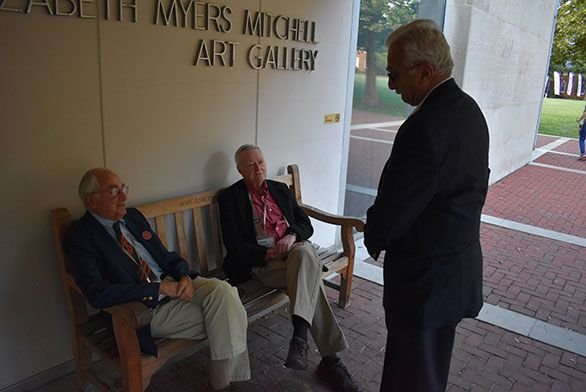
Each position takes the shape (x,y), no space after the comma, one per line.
(82,92)
(501,53)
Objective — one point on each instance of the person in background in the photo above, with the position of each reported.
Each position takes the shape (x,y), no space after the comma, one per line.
(582,134)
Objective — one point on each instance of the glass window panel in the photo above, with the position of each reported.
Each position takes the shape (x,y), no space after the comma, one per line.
(377,112)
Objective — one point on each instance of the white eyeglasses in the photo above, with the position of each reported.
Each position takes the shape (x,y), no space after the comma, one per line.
(114,191)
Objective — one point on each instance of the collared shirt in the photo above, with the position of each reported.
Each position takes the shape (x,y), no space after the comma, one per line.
(140,249)
(271,218)
(427,95)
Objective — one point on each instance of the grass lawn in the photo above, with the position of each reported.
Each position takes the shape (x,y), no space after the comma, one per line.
(389,101)
(558,117)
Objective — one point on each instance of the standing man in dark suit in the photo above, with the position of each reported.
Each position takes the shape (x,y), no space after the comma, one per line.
(426,215)
(265,233)
(117,258)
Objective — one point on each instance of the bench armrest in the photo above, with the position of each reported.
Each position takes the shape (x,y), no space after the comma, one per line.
(339,220)
(134,314)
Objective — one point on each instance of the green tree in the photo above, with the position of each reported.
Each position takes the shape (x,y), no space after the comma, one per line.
(377,19)
(568,52)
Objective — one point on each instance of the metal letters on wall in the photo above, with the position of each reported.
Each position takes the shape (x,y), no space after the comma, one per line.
(297,53)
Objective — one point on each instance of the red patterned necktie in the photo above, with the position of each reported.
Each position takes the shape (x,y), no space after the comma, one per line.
(144,272)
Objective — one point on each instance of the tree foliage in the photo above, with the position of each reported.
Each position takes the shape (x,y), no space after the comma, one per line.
(568,51)
(383,16)
(377,19)
(373,17)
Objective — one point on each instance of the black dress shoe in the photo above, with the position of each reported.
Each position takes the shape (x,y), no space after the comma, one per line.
(297,356)
(337,376)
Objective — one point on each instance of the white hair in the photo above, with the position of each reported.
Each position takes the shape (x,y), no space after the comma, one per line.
(423,42)
(89,183)
(242,148)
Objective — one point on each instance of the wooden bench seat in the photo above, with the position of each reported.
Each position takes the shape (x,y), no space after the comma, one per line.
(189,225)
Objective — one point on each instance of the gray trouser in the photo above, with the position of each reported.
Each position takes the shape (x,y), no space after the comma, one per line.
(300,275)
(216,312)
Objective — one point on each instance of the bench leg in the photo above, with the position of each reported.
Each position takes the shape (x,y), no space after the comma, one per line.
(346,273)
(345,289)
(130,357)
(83,362)
(132,380)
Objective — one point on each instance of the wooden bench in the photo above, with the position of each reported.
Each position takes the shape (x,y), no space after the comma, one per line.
(189,225)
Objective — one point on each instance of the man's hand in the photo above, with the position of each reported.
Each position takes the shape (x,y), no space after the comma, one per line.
(372,252)
(185,288)
(169,288)
(283,246)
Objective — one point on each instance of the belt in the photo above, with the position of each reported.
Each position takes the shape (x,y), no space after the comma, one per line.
(164,300)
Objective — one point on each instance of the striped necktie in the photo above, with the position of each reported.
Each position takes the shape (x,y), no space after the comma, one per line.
(144,272)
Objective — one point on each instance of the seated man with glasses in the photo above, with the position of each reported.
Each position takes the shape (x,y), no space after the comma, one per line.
(117,258)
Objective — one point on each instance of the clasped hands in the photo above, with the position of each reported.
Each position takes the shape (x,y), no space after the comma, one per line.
(281,247)
(182,290)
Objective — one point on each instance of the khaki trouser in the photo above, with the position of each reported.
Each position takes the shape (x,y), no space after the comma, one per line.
(300,275)
(216,312)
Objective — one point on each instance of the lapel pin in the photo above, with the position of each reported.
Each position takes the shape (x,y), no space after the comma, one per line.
(146,235)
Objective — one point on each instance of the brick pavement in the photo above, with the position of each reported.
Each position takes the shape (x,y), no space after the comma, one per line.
(542,140)
(571,147)
(486,358)
(565,161)
(542,197)
(535,276)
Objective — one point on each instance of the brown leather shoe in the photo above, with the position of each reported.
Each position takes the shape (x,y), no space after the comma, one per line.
(337,376)
(297,356)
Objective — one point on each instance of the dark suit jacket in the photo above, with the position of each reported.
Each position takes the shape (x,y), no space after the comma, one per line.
(426,215)
(238,230)
(107,276)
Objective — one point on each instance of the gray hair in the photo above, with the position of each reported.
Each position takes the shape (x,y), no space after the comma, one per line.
(423,42)
(242,148)
(89,183)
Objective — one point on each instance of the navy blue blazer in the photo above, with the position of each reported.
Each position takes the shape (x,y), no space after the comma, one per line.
(238,232)
(107,276)
(426,214)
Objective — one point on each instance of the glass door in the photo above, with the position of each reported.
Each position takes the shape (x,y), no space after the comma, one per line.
(377,112)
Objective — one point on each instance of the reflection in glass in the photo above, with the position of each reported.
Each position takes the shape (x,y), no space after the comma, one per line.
(377,112)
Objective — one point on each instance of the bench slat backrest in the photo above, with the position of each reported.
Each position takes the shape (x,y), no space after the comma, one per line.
(195,230)
(189,224)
